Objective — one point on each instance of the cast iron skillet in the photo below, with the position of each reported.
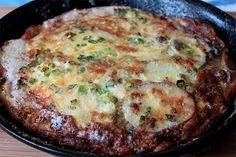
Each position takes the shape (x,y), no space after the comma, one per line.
(13,25)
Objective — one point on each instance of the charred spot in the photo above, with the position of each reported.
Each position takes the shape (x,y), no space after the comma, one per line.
(151,122)
(159,138)
(161,39)
(221,75)
(163,17)
(21,81)
(216,48)
(179,45)
(142,119)
(135,107)
(136,95)
(2,80)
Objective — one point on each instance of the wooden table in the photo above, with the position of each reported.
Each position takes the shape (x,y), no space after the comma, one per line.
(10,147)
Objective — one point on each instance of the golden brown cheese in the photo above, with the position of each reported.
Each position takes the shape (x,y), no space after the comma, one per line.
(114,68)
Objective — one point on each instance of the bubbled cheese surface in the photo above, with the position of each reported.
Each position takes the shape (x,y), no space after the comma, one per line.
(105,61)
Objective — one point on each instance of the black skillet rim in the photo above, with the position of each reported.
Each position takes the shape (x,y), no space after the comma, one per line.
(189,148)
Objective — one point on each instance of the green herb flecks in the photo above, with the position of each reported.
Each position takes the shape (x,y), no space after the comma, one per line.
(34,63)
(180,83)
(176,57)
(54,88)
(143,20)
(187,51)
(81,70)
(74,104)
(146,115)
(71,86)
(58,72)
(129,13)
(95,41)
(23,69)
(170,118)
(84,58)
(51,65)
(81,45)
(32,81)
(43,54)
(46,71)
(131,85)
(70,35)
(137,40)
(87,37)
(81,28)
(50,106)
(83,89)
(72,62)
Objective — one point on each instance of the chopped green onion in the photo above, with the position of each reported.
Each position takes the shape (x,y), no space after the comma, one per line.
(95,41)
(45,69)
(32,81)
(47,73)
(57,72)
(34,63)
(54,88)
(42,55)
(180,83)
(102,21)
(142,119)
(70,35)
(51,65)
(137,40)
(170,118)
(148,111)
(143,20)
(114,99)
(110,85)
(121,12)
(117,115)
(23,69)
(81,27)
(72,62)
(87,37)
(101,91)
(81,45)
(71,86)
(81,70)
(50,106)
(176,57)
(74,103)
(131,85)
(195,69)
(130,13)
(120,80)
(187,51)
(179,45)
(57,53)
(83,89)
(83,58)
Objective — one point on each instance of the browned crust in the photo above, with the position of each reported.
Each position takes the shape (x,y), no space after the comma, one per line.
(215,87)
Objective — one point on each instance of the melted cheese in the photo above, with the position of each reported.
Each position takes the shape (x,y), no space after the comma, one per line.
(90,67)
(168,104)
